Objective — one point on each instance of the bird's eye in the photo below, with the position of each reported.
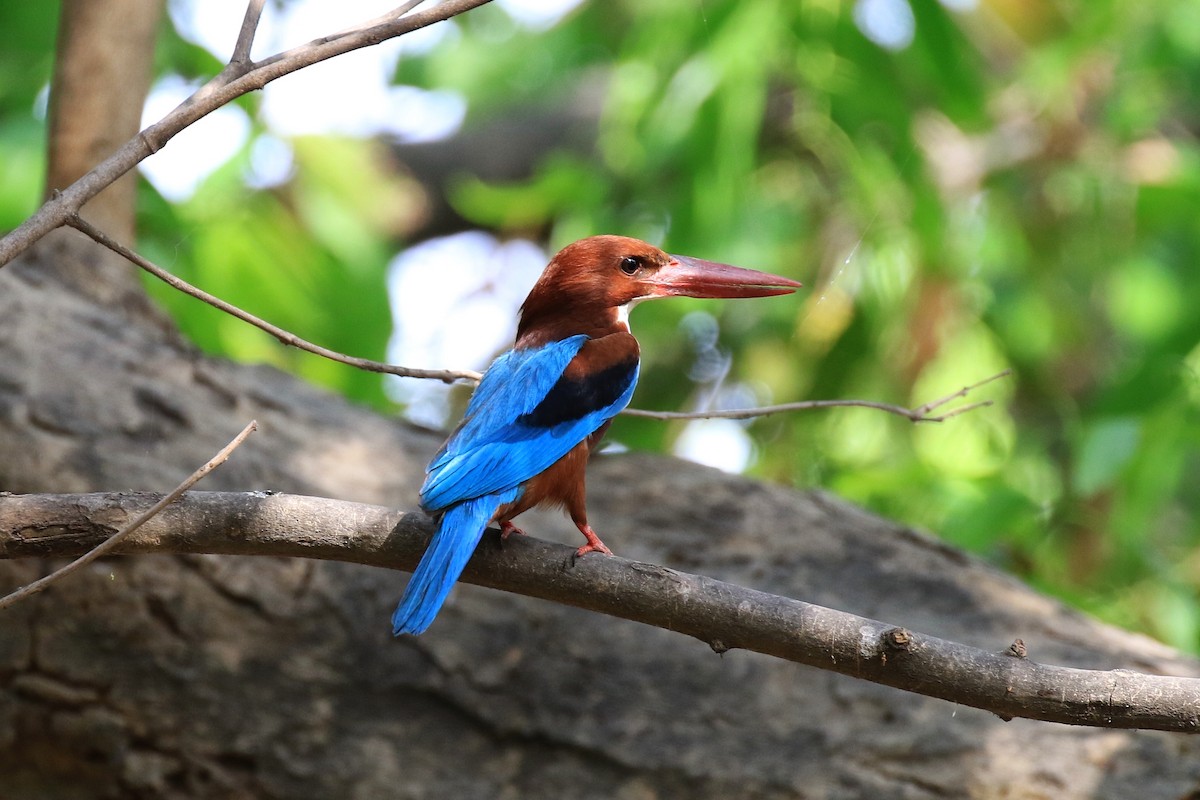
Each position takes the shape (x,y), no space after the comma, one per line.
(630,265)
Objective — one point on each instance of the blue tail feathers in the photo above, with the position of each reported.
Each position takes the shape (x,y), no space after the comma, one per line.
(458,533)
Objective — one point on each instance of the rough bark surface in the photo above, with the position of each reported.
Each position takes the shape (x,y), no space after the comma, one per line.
(223,677)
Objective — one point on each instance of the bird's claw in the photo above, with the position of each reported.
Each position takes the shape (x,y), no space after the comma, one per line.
(507,529)
(594,545)
(598,547)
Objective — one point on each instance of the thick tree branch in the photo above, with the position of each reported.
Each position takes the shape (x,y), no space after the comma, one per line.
(723,615)
(222,89)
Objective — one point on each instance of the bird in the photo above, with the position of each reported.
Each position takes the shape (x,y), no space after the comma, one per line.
(542,407)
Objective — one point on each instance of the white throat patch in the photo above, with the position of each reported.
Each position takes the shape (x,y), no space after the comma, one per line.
(623,311)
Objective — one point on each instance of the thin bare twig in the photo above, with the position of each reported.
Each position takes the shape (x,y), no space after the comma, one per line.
(222,89)
(245,40)
(921,413)
(285,337)
(111,544)
(404,8)
(395,13)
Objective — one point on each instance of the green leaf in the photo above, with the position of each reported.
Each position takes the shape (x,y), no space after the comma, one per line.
(1106,448)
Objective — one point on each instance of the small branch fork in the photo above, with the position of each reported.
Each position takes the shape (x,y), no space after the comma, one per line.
(241,50)
(922,413)
(113,542)
(722,615)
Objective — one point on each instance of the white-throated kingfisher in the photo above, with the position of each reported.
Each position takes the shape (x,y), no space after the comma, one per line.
(542,407)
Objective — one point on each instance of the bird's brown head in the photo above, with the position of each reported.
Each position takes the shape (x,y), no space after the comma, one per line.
(589,286)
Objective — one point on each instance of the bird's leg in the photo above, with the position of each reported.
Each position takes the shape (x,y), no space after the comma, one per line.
(507,529)
(577,509)
(593,542)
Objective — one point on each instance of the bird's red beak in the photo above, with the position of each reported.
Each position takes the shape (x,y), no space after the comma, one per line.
(692,277)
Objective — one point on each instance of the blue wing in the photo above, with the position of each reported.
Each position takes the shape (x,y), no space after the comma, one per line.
(530,409)
(525,415)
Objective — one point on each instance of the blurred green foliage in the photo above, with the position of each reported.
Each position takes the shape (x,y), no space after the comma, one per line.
(311,260)
(1016,186)
(1011,189)
(26,60)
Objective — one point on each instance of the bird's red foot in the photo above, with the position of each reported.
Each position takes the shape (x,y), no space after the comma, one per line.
(594,545)
(507,529)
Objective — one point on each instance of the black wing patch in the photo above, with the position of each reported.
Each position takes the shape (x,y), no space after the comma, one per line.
(574,398)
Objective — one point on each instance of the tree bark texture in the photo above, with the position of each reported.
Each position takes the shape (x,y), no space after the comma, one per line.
(215,676)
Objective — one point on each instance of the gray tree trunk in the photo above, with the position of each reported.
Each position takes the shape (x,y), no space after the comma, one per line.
(262,678)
